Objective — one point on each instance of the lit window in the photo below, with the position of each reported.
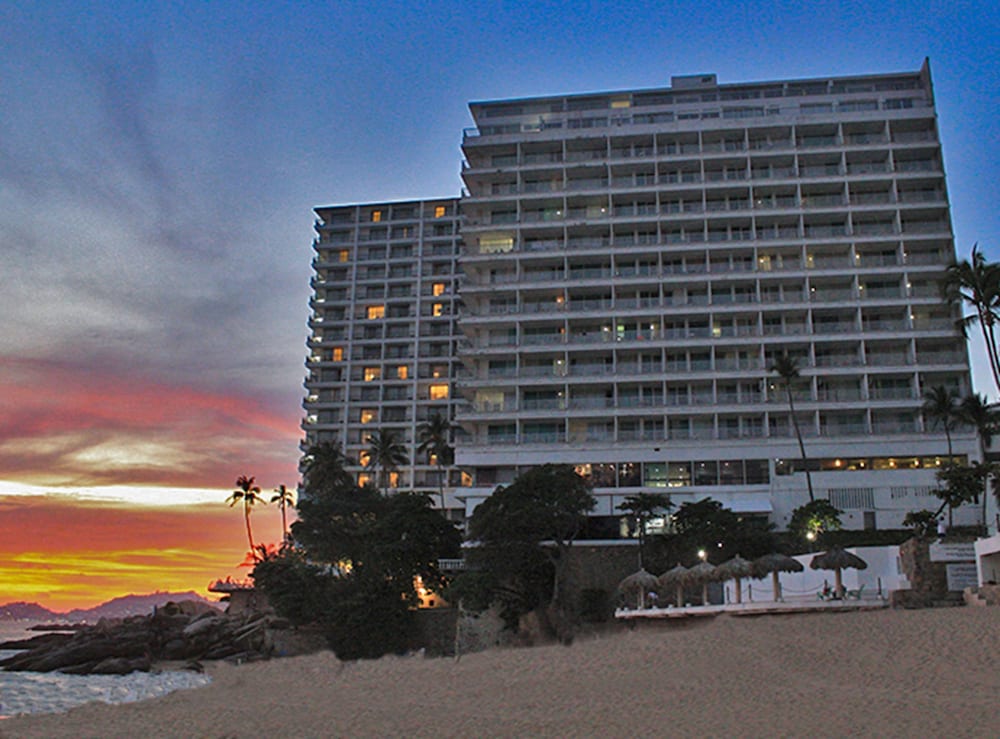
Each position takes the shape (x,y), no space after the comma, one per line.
(376,311)
(373,373)
(402,372)
(620,104)
(466,479)
(440,211)
(393,479)
(437,309)
(439,391)
(368,415)
(344,255)
(438,289)
(337,354)
(364,458)
(363,479)
(376,216)
(438,371)
(432,458)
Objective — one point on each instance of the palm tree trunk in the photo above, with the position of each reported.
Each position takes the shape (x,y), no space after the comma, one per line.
(246,517)
(986,323)
(441,483)
(947,435)
(284,521)
(802,447)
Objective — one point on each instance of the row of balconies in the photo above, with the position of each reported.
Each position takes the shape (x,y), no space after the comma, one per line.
(698,433)
(788,327)
(558,181)
(627,267)
(736,299)
(585,405)
(483,154)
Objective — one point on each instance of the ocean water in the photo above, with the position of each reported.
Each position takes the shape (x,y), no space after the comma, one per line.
(53,692)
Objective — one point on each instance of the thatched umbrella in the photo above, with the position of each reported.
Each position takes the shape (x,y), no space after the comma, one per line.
(773,564)
(639,583)
(702,574)
(674,578)
(735,569)
(837,559)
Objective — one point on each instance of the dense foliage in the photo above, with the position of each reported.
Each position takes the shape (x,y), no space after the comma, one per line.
(355,559)
(812,520)
(522,534)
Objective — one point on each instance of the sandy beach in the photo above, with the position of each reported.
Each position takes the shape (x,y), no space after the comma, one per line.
(876,673)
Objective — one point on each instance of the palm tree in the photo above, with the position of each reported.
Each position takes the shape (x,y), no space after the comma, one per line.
(975,411)
(787,368)
(323,470)
(941,409)
(385,454)
(250,495)
(284,498)
(434,436)
(976,284)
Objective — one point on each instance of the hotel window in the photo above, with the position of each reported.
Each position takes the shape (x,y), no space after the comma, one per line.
(440,211)
(394,479)
(337,354)
(372,373)
(439,392)
(376,311)
(439,370)
(344,255)
(368,415)
(376,216)
(363,479)
(364,458)
(466,479)
(437,309)
(402,372)
(438,288)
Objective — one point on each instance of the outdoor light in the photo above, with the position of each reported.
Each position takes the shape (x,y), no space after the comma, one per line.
(702,554)
(811,536)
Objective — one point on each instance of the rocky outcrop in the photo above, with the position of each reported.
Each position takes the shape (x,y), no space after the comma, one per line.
(174,632)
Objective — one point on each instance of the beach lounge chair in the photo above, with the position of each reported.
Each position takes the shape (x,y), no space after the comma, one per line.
(854,594)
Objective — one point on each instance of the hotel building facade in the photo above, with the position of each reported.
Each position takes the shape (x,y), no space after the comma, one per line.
(630,265)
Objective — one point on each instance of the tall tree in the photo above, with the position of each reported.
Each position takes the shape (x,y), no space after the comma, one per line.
(976,284)
(524,533)
(787,368)
(250,495)
(641,507)
(941,409)
(961,484)
(976,412)
(322,469)
(284,498)
(385,455)
(434,436)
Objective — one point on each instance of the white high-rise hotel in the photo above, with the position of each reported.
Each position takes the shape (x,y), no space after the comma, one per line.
(633,262)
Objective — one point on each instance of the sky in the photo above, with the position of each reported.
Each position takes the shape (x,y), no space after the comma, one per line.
(159,163)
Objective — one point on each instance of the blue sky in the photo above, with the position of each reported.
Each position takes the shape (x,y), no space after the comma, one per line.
(159,163)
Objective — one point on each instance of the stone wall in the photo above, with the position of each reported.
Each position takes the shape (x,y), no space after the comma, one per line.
(928,580)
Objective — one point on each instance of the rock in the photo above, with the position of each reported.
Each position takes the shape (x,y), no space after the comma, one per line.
(200,625)
(120,666)
(120,646)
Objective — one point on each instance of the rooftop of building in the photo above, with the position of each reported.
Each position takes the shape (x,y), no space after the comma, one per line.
(686,85)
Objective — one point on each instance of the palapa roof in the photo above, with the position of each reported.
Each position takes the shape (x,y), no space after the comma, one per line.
(837,558)
(775,562)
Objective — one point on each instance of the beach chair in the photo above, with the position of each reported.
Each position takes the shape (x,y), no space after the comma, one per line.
(854,594)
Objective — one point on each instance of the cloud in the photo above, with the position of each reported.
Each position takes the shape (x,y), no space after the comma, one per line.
(61,426)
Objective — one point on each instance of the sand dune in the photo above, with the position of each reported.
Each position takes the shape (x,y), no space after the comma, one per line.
(879,673)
